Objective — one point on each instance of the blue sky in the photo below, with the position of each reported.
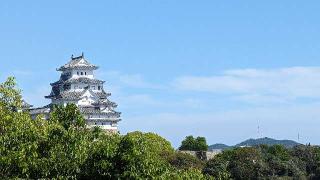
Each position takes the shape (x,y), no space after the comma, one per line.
(208,68)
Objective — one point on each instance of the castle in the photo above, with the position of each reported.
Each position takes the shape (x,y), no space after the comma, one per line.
(78,85)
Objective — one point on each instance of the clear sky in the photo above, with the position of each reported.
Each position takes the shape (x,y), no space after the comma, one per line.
(217,69)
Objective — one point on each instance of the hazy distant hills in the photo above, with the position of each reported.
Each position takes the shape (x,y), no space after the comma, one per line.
(219,146)
(267,141)
(254,142)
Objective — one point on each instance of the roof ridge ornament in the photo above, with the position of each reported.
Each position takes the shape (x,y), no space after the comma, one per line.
(77,57)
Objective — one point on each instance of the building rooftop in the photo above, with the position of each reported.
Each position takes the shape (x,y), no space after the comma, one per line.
(75,95)
(78,62)
(106,102)
(92,110)
(78,80)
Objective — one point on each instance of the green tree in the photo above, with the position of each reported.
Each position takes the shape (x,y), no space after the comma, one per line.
(19,135)
(308,158)
(247,163)
(10,97)
(238,163)
(67,116)
(184,175)
(218,167)
(201,144)
(184,161)
(139,156)
(66,151)
(39,148)
(277,158)
(194,144)
(102,157)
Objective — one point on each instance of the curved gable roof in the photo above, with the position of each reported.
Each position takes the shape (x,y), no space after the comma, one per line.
(78,63)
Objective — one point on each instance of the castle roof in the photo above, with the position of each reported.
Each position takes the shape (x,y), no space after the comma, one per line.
(114,115)
(93,110)
(78,63)
(41,110)
(84,80)
(76,95)
(106,102)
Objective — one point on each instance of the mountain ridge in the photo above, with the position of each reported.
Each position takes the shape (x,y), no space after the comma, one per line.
(255,142)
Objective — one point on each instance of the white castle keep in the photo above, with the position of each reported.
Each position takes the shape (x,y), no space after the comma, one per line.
(78,85)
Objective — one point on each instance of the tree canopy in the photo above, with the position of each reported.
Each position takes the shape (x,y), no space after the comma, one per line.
(194,144)
(62,148)
(261,162)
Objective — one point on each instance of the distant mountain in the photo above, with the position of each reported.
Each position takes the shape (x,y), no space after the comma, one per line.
(219,146)
(255,142)
(267,141)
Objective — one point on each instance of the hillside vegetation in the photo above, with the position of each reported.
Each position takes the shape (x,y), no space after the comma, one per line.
(256,142)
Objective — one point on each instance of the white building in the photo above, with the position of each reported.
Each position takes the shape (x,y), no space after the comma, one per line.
(78,85)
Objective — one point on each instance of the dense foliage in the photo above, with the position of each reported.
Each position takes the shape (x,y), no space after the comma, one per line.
(62,148)
(194,144)
(272,162)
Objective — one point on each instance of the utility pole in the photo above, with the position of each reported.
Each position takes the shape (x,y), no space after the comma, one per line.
(258,130)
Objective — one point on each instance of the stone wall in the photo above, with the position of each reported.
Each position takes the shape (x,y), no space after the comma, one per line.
(203,155)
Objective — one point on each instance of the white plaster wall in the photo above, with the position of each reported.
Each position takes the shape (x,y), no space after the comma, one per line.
(74,73)
(88,75)
(102,125)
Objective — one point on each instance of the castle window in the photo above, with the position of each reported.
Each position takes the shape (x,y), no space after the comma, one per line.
(85,73)
(81,73)
(99,87)
(78,73)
